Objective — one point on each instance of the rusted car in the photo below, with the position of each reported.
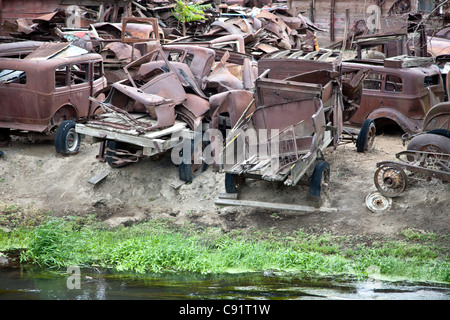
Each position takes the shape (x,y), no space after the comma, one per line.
(47,91)
(395,94)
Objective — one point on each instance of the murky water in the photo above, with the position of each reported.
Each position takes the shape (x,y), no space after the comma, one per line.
(35,284)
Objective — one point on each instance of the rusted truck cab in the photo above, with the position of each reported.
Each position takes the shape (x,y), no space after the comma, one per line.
(397,94)
(42,92)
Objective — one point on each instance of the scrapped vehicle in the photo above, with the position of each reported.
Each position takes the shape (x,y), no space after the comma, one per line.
(398,91)
(427,156)
(46,92)
(161,105)
(294,120)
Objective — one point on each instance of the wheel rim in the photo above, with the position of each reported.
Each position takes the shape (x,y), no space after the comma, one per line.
(238,182)
(325,180)
(370,137)
(376,202)
(72,140)
(390,180)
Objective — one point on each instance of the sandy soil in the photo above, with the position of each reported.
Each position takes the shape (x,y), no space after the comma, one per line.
(32,175)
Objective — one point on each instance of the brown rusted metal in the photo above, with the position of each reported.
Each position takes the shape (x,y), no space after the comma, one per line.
(43,91)
(401,95)
(291,112)
(139,29)
(391,179)
(438,117)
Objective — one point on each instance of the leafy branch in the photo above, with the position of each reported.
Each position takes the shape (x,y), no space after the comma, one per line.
(189,12)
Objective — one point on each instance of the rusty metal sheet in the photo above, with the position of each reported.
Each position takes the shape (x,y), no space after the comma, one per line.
(121,50)
(22,26)
(47,50)
(19,48)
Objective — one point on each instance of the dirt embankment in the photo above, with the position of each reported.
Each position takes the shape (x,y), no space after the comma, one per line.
(32,175)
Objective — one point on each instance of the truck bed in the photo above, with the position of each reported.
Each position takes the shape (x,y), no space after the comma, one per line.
(153,142)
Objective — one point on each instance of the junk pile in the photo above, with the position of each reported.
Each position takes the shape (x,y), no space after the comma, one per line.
(266,31)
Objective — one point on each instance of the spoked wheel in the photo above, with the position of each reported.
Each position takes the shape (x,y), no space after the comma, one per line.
(67,140)
(430,142)
(390,180)
(366,136)
(320,179)
(233,182)
(438,146)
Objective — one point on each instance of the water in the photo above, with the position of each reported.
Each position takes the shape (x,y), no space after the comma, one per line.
(19,283)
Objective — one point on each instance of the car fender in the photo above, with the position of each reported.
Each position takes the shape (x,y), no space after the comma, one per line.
(407,124)
(64,112)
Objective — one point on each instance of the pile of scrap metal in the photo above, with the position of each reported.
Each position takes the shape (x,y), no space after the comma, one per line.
(44,28)
(74,21)
(174,81)
(268,30)
(163,11)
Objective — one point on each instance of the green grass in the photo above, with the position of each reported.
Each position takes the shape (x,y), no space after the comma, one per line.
(162,246)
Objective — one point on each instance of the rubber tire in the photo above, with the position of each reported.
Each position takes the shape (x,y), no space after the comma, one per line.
(233,182)
(361,141)
(441,132)
(185,169)
(419,142)
(315,183)
(65,131)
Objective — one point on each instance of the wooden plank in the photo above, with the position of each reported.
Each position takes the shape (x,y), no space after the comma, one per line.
(146,140)
(228,196)
(271,205)
(99,177)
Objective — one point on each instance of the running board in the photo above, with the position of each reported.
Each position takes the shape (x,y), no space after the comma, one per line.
(271,205)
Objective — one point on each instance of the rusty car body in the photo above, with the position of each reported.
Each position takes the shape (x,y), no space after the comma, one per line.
(398,90)
(47,87)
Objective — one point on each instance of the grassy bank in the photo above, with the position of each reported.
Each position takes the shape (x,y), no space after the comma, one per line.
(162,246)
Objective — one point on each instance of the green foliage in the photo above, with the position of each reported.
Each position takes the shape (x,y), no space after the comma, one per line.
(189,12)
(162,246)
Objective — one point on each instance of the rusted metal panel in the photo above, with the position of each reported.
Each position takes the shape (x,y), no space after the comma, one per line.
(438,117)
(47,50)
(284,64)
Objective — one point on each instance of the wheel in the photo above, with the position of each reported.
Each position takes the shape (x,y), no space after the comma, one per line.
(430,142)
(5,137)
(441,132)
(233,182)
(366,136)
(319,179)
(188,169)
(390,180)
(67,140)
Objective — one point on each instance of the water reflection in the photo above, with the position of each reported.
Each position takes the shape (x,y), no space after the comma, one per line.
(31,283)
